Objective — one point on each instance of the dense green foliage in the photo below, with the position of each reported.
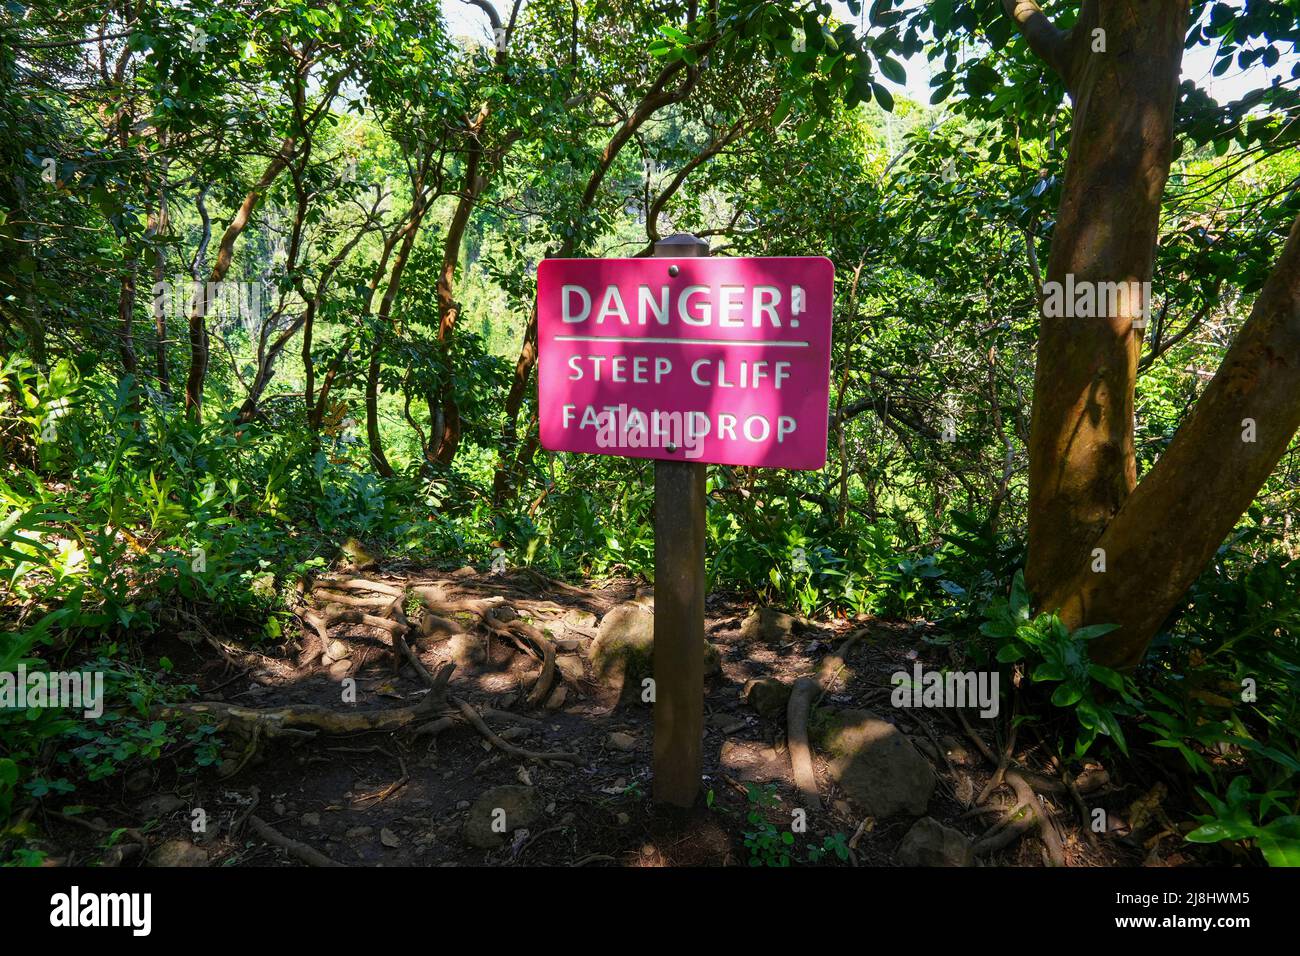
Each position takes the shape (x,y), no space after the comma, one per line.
(133,502)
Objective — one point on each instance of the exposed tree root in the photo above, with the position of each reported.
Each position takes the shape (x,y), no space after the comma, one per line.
(313,650)
(276,721)
(475,721)
(798,710)
(404,649)
(340,615)
(796,733)
(364,584)
(298,850)
(532,641)
(326,598)
(1028,813)
(1004,761)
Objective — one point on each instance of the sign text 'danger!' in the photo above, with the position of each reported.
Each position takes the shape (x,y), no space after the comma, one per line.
(694,359)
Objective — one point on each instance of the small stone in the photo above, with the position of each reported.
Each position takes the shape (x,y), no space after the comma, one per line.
(311,819)
(621,741)
(733,754)
(930,843)
(337,650)
(359,833)
(339,670)
(178,853)
(957,752)
(354,556)
(726,723)
(623,651)
(571,666)
(389,839)
(623,819)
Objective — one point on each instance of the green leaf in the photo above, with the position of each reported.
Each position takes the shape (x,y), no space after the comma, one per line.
(1049,670)
(1066,695)
(892,70)
(883,97)
(1217,830)
(1279,842)
(1019,597)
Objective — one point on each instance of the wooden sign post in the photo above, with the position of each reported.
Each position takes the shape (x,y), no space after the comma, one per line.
(686,359)
(679,608)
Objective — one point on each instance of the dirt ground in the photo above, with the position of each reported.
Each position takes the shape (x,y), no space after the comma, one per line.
(403,798)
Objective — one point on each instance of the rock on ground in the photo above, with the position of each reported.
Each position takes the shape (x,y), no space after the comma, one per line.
(509,808)
(767,624)
(875,763)
(178,853)
(768,696)
(930,843)
(624,645)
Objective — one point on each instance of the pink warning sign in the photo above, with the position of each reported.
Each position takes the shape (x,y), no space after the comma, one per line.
(694,359)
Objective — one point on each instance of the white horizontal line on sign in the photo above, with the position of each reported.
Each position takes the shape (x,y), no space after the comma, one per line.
(639,338)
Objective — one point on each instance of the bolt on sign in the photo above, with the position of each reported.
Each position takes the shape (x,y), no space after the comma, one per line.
(710,360)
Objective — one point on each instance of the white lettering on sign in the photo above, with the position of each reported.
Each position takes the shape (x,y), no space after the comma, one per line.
(713,359)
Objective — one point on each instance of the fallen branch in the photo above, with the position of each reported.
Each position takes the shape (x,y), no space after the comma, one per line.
(296,849)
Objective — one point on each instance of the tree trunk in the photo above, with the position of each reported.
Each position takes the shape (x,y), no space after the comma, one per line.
(1172,524)
(158,226)
(448,308)
(225,257)
(1154,537)
(420,205)
(656,98)
(1081,454)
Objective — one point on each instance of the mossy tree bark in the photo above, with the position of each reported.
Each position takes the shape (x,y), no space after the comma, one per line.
(1121,64)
